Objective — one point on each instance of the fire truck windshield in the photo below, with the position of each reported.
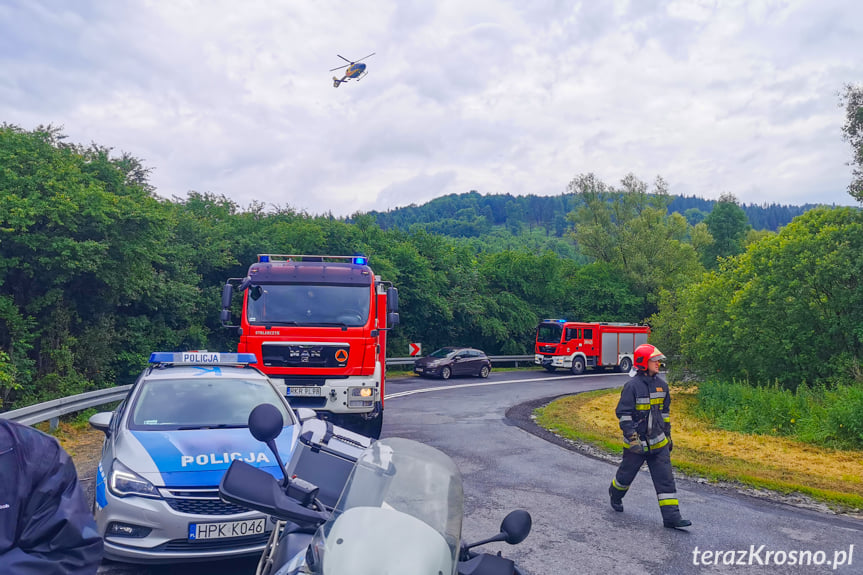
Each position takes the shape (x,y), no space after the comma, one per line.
(295,304)
(549,333)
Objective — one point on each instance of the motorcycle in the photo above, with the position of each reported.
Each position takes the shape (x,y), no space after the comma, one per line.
(400,511)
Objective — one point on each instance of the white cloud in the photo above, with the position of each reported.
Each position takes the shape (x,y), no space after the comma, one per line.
(500,97)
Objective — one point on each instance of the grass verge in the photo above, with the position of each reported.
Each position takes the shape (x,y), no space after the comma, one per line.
(832,476)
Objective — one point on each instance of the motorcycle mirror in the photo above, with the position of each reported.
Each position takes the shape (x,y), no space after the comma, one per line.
(265,424)
(516,526)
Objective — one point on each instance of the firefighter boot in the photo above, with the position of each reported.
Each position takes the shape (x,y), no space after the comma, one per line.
(672,519)
(670,510)
(616,498)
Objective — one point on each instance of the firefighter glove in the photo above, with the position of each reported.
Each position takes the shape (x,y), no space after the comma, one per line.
(670,445)
(635,443)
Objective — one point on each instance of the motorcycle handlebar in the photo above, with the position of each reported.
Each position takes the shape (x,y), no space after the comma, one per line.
(256,489)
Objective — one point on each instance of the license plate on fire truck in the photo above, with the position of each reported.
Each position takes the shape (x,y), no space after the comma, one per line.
(304,391)
(226,529)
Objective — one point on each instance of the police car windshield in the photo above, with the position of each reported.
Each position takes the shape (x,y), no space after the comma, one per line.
(336,305)
(201,403)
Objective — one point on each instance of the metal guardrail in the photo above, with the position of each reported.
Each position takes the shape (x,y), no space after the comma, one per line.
(494,359)
(52,410)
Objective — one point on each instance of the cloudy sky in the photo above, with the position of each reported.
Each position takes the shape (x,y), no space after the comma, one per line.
(236,98)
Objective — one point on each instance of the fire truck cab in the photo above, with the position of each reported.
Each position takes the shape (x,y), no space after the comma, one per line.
(576,345)
(318,325)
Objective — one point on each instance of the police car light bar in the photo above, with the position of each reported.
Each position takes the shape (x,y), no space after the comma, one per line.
(275,258)
(201,357)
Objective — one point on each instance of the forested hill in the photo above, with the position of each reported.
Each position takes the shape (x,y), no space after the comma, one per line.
(472,214)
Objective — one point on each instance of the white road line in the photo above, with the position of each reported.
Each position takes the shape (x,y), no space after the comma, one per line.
(482,384)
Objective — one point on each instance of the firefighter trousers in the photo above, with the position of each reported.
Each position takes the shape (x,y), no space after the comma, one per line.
(659,463)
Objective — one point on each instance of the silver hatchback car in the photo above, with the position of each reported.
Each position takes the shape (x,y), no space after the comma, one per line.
(167,446)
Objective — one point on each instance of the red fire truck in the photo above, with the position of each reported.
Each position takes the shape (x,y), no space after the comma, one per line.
(318,324)
(577,345)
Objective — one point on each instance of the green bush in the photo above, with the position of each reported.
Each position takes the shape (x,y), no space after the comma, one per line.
(822,416)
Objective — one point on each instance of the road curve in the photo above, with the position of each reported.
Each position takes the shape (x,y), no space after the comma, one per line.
(575,530)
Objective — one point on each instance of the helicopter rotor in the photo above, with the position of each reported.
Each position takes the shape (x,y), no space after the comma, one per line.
(349,63)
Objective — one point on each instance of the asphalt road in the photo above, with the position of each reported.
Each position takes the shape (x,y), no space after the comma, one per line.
(575,530)
(507,463)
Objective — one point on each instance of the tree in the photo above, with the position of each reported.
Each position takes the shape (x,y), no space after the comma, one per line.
(694,216)
(88,279)
(631,230)
(852,100)
(789,309)
(727,225)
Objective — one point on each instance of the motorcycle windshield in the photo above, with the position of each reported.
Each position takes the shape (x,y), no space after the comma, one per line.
(400,512)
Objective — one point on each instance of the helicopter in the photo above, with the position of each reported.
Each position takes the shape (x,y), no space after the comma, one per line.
(354,70)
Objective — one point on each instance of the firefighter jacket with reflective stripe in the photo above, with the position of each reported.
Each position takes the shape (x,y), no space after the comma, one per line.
(643,409)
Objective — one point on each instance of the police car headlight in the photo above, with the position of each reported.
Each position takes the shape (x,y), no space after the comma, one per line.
(124,482)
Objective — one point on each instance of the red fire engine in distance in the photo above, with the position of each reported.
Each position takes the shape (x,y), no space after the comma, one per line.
(576,345)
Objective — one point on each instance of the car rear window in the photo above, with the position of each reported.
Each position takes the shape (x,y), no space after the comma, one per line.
(201,402)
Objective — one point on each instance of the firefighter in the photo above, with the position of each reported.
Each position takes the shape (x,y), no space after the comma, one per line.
(646,425)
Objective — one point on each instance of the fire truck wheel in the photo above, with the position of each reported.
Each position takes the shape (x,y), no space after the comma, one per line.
(445,373)
(625,364)
(484,371)
(577,365)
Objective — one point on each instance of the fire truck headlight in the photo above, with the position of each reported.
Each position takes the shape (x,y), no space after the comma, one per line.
(361,397)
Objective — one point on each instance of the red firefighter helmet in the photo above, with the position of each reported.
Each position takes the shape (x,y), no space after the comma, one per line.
(644,353)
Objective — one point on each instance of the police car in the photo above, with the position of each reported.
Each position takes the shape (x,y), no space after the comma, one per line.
(167,446)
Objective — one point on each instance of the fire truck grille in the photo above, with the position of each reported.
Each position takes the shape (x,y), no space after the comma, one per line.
(305,355)
(546,349)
